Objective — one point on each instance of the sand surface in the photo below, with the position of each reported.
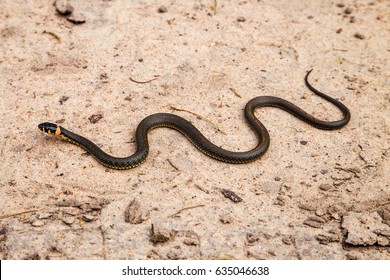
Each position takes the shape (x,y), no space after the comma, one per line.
(314,195)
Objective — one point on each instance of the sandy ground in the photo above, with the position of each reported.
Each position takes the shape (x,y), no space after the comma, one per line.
(314,195)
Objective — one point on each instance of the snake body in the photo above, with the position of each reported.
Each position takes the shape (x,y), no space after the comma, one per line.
(197,138)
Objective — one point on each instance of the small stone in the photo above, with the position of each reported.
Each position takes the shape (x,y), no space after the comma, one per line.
(88,218)
(231,195)
(191,242)
(307,207)
(63,7)
(348,11)
(288,240)
(191,239)
(76,18)
(303,142)
(96,206)
(133,213)
(340,5)
(159,236)
(68,203)
(86,207)
(338,31)
(37,223)
(338,176)
(314,221)
(359,36)
(226,219)
(162,9)
(325,238)
(241,19)
(45,215)
(350,256)
(277,179)
(280,201)
(68,220)
(338,183)
(325,187)
(94,118)
(252,238)
(320,212)
(172,255)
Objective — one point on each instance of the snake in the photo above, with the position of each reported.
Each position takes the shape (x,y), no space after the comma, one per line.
(197,138)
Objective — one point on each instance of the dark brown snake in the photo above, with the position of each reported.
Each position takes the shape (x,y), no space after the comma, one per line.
(197,138)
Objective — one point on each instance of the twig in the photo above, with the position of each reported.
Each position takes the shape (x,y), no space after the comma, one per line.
(172,165)
(235,92)
(186,208)
(18,213)
(341,50)
(214,8)
(55,36)
(143,82)
(200,116)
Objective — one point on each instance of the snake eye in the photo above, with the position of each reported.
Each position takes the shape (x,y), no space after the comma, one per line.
(48,127)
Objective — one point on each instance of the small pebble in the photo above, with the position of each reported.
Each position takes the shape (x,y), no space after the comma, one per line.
(133,212)
(359,36)
(348,11)
(159,236)
(38,223)
(314,221)
(63,7)
(45,215)
(231,195)
(76,18)
(241,19)
(68,220)
(303,142)
(191,242)
(325,187)
(95,118)
(162,9)
(88,218)
(226,219)
(252,237)
(288,240)
(280,201)
(307,207)
(352,257)
(339,30)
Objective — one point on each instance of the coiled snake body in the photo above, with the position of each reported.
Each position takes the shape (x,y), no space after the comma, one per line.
(197,138)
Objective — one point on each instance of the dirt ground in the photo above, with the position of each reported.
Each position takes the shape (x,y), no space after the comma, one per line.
(108,64)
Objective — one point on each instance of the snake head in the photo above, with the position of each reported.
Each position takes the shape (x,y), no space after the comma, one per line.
(50,128)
